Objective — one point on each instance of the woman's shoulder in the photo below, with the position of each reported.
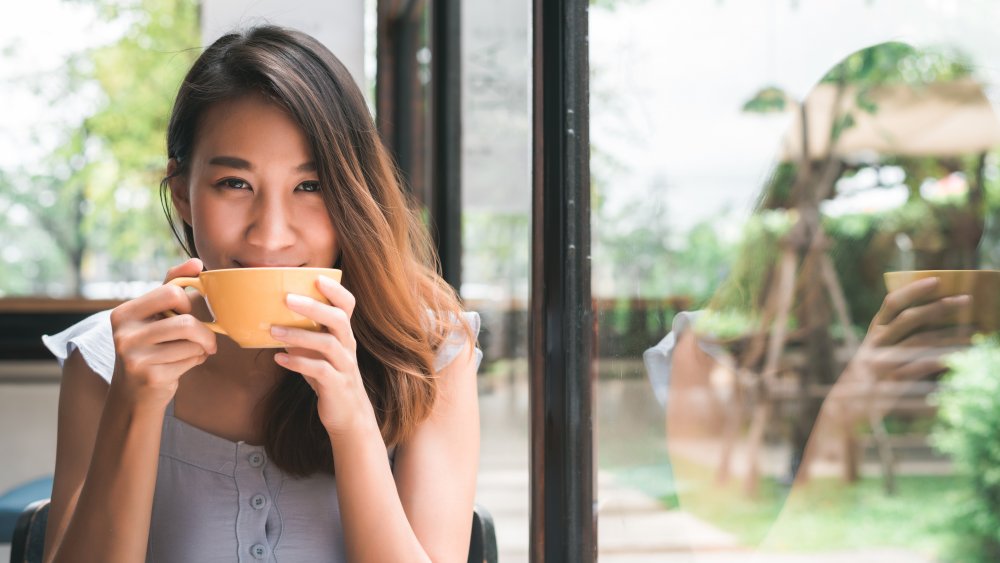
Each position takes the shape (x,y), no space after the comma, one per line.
(92,337)
(659,357)
(461,328)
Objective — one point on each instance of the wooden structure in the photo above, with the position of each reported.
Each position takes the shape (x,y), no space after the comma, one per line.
(805,282)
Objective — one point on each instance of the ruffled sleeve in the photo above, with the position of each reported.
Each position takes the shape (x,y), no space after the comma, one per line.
(457,341)
(92,336)
(659,358)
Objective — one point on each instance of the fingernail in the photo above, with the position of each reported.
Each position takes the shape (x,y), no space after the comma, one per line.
(958,299)
(327,281)
(281,358)
(299,300)
(928,282)
(278,331)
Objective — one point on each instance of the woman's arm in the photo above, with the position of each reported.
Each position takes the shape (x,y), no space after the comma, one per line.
(436,468)
(81,400)
(105,473)
(906,341)
(425,512)
(109,436)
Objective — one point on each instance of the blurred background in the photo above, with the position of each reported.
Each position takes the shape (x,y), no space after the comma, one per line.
(697,117)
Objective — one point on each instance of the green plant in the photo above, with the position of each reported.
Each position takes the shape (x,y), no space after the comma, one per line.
(725,325)
(89,207)
(759,249)
(968,430)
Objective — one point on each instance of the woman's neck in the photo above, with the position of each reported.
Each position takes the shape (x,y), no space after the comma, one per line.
(223,395)
(250,369)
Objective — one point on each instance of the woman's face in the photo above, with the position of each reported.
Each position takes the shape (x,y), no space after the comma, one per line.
(251,194)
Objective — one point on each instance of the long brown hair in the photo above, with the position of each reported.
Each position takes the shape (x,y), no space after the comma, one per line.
(405,310)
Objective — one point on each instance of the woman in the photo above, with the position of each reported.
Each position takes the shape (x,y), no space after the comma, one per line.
(356,443)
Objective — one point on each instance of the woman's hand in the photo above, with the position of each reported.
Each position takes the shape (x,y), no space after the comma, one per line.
(152,352)
(907,339)
(328,359)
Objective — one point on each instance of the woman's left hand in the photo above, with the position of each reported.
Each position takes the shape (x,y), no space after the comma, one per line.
(328,359)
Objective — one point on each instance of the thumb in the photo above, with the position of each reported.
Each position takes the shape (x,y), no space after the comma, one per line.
(190,268)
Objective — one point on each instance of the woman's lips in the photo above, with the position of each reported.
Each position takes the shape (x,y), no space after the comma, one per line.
(267,264)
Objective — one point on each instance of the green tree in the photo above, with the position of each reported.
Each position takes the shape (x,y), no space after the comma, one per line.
(94,196)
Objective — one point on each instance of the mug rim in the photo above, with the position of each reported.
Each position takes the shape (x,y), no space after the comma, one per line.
(272,268)
(942,271)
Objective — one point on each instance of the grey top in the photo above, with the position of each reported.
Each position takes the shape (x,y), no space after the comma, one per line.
(218,500)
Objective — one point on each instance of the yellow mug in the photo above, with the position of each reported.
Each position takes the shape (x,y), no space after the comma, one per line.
(247,302)
(982,285)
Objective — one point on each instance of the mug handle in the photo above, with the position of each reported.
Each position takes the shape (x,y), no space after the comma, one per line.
(196,284)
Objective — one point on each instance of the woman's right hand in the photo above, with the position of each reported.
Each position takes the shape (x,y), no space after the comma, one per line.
(153,351)
(907,340)
(912,331)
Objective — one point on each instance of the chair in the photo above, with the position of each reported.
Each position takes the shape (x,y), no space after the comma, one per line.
(15,499)
(29,535)
(483,547)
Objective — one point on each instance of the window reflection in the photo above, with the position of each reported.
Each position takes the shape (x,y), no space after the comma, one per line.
(758,391)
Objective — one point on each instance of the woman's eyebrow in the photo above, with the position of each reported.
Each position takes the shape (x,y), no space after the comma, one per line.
(307,167)
(231,162)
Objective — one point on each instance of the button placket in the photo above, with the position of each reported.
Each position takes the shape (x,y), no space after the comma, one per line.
(256,459)
(254,505)
(258,502)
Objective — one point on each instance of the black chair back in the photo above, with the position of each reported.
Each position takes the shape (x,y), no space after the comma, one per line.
(483,547)
(29,533)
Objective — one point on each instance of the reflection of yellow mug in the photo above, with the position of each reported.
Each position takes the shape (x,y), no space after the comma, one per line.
(247,302)
(982,285)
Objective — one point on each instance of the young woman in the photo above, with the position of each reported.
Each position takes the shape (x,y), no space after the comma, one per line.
(358,443)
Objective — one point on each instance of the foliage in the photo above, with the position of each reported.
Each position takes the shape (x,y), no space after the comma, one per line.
(768,99)
(725,325)
(894,62)
(745,286)
(642,257)
(969,431)
(859,259)
(93,199)
(496,246)
(29,256)
(869,68)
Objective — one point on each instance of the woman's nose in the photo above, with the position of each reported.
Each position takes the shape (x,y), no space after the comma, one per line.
(272,226)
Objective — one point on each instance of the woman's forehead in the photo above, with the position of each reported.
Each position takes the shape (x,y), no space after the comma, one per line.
(251,127)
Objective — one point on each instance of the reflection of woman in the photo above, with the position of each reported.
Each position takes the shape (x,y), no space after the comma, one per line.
(906,341)
(358,442)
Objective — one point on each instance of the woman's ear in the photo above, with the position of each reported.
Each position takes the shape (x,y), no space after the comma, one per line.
(180,191)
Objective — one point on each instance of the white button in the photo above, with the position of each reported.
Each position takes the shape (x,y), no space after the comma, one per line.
(256,459)
(258,551)
(258,501)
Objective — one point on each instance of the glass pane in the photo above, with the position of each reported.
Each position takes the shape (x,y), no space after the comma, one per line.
(757,167)
(83,145)
(496,203)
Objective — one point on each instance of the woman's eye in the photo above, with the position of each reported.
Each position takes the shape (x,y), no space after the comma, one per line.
(309,186)
(234,183)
